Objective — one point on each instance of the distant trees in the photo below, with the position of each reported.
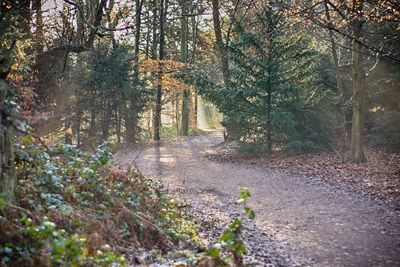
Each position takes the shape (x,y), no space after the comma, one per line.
(366,47)
(360,47)
(274,97)
(286,76)
(184,59)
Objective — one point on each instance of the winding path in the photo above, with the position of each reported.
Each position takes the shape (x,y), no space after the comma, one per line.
(299,223)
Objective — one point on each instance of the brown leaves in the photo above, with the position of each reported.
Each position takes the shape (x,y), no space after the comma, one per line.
(165,66)
(379,177)
(166,69)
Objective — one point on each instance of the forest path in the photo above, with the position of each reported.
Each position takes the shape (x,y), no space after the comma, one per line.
(298,223)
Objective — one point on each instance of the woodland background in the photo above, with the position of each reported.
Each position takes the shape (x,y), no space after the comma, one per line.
(292,77)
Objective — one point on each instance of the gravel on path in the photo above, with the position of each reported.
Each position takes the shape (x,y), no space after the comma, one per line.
(299,222)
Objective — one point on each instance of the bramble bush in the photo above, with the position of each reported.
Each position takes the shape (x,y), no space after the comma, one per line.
(46,243)
(85,195)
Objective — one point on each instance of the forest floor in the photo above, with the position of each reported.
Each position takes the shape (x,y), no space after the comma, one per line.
(309,213)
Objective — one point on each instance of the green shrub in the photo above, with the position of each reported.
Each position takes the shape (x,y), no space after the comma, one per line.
(83,192)
(386,130)
(252,149)
(230,247)
(55,247)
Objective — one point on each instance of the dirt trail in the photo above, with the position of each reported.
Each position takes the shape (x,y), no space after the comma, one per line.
(299,223)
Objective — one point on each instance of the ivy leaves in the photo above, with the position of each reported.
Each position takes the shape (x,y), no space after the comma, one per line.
(230,242)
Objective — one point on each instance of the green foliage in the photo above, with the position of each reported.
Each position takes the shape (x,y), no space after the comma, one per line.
(2,202)
(55,169)
(276,97)
(195,132)
(252,148)
(167,132)
(63,182)
(105,90)
(386,130)
(382,111)
(45,240)
(230,242)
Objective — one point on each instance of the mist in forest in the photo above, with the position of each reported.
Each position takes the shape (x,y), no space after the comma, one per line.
(201,117)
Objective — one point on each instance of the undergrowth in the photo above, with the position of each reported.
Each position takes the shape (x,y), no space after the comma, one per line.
(167,132)
(79,209)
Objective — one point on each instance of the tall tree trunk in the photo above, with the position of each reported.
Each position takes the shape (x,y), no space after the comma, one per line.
(356,149)
(77,127)
(92,126)
(118,125)
(39,26)
(154,31)
(195,109)
(177,111)
(339,84)
(157,114)
(192,61)
(131,130)
(105,124)
(269,125)
(223,54)
(25,18)
(68,133)
(7,169)
(184,59)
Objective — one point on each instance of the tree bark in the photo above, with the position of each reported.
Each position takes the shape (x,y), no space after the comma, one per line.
(184,59)
(223,54)
(339,84)
(356,149)
(269,108)
(157,114)
(7,169)
(195,109)
(118,124)
(39,26)
(131,130)
(68,133)
(106,119)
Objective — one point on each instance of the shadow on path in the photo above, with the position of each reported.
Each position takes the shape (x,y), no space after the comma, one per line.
(309,224)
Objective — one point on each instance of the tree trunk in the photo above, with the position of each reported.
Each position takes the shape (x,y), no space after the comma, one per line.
(105,124)
(339,84)
(92,127)
(39,26)
(356,149)
(184,59)
(269,125)
(133,117)
(195,109)
(223,54)
(154,32)
(157,114)
(7,169)
(68,132)
(77,127)
(177,112)
(117,123)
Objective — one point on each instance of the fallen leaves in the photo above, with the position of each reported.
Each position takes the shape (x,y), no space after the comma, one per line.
(378,178)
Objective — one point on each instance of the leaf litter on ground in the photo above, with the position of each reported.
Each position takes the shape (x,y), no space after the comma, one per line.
(378,178)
